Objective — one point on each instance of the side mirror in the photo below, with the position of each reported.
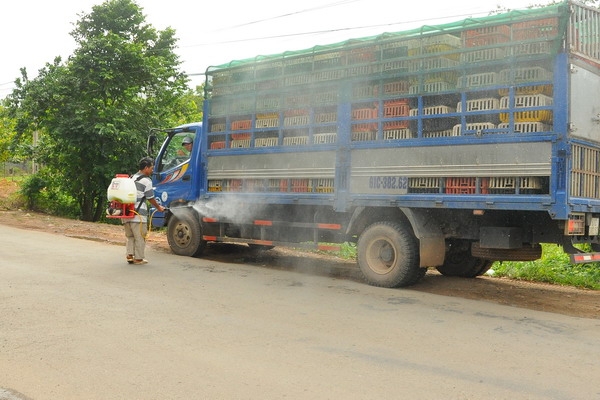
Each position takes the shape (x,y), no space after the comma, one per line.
(150,144)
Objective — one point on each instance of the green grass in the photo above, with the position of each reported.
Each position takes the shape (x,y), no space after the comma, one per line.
(554,267)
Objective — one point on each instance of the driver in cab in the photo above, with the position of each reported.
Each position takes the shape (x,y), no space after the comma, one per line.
(187,144)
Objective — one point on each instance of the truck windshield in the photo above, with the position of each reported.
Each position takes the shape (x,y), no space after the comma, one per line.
(177,151)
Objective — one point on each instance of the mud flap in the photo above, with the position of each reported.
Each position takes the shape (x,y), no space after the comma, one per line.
(432,246)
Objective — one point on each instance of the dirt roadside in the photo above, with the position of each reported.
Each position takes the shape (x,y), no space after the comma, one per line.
(535,296)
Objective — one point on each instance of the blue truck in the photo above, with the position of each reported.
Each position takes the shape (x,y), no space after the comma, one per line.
(446,147)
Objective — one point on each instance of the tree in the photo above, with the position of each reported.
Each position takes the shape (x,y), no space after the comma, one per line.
(94,110)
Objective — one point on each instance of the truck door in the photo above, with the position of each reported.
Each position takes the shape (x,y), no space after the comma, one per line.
(174,168)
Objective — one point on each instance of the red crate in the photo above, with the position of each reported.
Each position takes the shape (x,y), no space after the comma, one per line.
(240,125)
(217,145)
(300,185)
(364,113)
(539,28)
(486,36)
(392,125)
(466,185)
(396,108)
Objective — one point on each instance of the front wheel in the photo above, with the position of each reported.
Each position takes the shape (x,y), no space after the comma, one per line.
(184,233)
(388,255)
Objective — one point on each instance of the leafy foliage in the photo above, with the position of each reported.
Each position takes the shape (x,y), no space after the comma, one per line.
(553,267)
(95,110)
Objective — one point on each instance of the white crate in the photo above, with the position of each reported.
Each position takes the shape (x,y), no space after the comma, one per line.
(432,63)
(324,138)
(483,55)
(527,100)
(390,66)
(266,142)
(324,118)
(217,127)
(478,80)
(424,183)
(363,136)
(478,126)
(444,39)
(479,104)
(329,75)
(504,182)
(266,123)
(267,103)
(521,75)
(396,134)
(297,80)
(444,133)
(432,87)
(527,127)
(525,49)
(296,120)
(240,143)
(295,140)
(435,110)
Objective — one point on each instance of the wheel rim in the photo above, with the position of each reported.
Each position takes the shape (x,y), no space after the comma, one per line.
(381,256)
(182,235)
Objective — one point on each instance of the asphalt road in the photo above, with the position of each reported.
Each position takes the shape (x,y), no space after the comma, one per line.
(77,322)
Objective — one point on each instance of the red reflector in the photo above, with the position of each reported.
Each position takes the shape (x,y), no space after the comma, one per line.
(587,257)
(263,222)
(329,226)
(209,220)
(209,238)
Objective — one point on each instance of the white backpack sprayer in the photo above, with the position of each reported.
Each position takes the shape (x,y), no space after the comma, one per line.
(122,194)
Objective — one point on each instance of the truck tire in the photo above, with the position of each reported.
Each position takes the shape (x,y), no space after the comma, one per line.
(388,255)
(184,233)
(459,262)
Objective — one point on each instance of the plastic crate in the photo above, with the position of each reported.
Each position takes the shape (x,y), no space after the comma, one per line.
(267,70)
(266,123)
(477,127)
(398,66)
(482,55)
(525,101)
(296,120)
(478,80)
(241,125)
(243,87)
(323,118)
(325,97)
(277,185)
(509,185)
(394,50)
(323,185)
(295,140)
(364,113)
(268,84)
(240,143)
(523,75)
(233,185)
(217,145)
(433,87)
(526,49)
(396,108)
(215,185)
(363,70)
(217,127)
(329,75)
(362,55)
(364,127)
(242,105)
(324,138)
(300,100)
(303,79)
(431,63)
(536,29)
(465,185)
(529,89)
(300,185)
(396,87)
(327,60)
(527,127)
(439,134)
(364,91)
(268,103)
(240,136)
(266,142)
(486,36)
(362,136)
(423,185)
(397,134)
(433,110)
(479,105)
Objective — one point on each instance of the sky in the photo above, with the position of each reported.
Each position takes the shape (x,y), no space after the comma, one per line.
(34,32)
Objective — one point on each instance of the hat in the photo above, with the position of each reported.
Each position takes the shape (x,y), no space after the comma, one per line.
(187,140)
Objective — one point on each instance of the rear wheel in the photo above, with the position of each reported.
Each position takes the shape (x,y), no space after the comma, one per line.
(184,233)
(460,262)
(388,255)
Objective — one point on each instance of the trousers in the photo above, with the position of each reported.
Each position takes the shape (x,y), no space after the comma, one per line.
(135,232)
